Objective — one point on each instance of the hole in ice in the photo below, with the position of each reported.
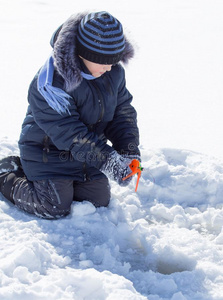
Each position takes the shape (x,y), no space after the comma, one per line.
(170,261)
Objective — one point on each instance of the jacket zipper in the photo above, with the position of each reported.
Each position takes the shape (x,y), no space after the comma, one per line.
(85,171)
(46,148)
(101,103)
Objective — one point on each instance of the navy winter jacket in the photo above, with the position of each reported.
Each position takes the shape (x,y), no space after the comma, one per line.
(74,146)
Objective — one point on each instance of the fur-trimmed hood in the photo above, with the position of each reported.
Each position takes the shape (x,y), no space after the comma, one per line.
(65,56)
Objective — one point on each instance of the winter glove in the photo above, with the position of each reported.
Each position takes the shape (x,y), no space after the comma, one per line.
(117,167)
(132,156)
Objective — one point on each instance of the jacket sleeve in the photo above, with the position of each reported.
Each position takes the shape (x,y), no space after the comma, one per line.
(123,131)
(67,132)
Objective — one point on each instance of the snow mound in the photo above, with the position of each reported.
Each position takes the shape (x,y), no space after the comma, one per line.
(163,242)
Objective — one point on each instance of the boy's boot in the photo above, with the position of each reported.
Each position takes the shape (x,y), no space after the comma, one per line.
(10,163)
(10,170)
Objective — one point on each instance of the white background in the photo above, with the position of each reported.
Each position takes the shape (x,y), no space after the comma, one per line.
(176,77)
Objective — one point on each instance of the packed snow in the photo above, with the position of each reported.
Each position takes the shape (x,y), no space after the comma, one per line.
(164,242)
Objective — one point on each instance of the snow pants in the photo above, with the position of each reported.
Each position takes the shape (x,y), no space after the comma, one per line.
(52,198)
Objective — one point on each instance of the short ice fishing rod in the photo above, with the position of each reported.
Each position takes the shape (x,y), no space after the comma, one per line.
(136,168)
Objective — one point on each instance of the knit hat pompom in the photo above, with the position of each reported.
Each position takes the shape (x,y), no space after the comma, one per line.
(100,38)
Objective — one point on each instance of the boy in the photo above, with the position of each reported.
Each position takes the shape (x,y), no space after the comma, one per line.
(77,101)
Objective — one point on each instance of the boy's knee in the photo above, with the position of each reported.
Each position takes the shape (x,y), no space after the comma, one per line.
(96,191)
(53,214)
(102,202)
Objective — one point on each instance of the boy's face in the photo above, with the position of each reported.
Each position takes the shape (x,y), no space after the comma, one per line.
(96,69)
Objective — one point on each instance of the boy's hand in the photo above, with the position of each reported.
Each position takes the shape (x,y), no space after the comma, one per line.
(117,167)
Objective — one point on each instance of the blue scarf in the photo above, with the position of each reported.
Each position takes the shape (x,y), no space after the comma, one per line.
(87,76)
(57,98)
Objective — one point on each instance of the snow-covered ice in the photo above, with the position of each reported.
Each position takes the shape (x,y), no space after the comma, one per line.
(164,242)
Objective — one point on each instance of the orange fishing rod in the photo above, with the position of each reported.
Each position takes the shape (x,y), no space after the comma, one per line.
(136,168)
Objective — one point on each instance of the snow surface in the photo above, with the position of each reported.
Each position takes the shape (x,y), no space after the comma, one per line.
(164,242)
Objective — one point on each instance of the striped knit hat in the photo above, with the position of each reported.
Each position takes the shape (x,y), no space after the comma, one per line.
(100,38)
